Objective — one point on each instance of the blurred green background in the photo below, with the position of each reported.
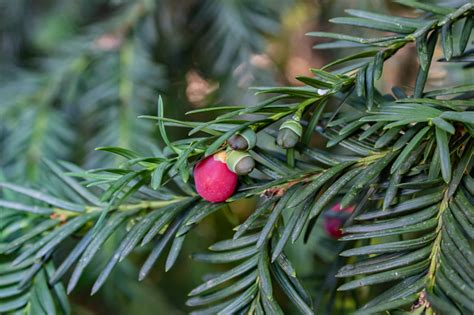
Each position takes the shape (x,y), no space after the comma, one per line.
(74,75)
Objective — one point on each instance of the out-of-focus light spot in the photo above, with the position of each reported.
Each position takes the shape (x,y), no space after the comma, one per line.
(261,61)
(108,42)
(197,88)
(295,67)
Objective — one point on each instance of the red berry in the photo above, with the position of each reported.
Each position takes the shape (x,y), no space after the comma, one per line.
(214,181)
(332,226)
(335,219)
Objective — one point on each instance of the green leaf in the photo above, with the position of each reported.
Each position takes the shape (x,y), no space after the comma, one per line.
(225,276)
(393,304)
(157,175)
(241,229)
(120,184)
(35,231)
(371,130)
(463,221)
(345,132)
(202,212)
(43,197)
(9,291)
(451,90)
(243,283)
(338,45)
(388,224)
(428,7)
(8,305)
(313,82)
(70,182)
(51,240)
(235,243)
(408,149)
(228,256)
(159,246)
(453,292)
(44,294)
(378,64)
(435,166)
(60,292)
(360,81)
(95,245)
(405,206)
(271,306)
(456,280)
(240,301)
(140,228)
(444,154)
(459,240)
(126,153)
(365,177)
(369,85)
(354,38)
(264,277)
(463,166)
(407,136)
(158,225)
(397,294)
(397,21)
(26,208)
(71,258)
(317,183)
(386,276)
(12,278)
(423,71)
(465,117)
(441,305)
(389,262)
(272,219)
(359,55)
(331,192)
(290,291)
(387,137)
(447,40)
(213,109)
(377,25)
(417,227)
(443,124)
(465,33)
(392,189)
(391,247)
(451,256)
(308,132)
(422,50)
(239,111)
(161,125)
(174,251)
(287,230)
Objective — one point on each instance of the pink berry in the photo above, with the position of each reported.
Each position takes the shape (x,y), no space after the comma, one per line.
(332,226)
(214,181)
(335,219)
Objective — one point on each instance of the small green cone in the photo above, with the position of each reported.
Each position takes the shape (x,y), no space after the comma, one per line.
(289,134)
(243,141)
(240,162)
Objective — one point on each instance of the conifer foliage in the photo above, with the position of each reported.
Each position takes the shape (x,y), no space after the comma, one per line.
(403,168)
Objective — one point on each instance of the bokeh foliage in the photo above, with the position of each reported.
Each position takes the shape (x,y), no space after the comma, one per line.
(403,158)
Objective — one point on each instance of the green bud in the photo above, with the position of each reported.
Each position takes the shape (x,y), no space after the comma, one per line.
(243,141)
(240,162)
(289,134)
